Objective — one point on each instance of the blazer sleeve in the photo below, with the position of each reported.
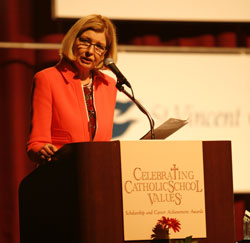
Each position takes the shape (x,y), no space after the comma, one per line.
(41,114)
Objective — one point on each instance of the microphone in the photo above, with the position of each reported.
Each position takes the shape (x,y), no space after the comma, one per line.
(109,62)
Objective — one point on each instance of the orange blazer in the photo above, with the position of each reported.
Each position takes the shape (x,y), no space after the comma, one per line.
(59,114)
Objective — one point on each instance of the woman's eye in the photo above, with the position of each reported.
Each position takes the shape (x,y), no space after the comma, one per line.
(83,41)
(100,47)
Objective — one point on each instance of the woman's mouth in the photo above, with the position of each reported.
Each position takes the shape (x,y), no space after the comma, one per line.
(86,60)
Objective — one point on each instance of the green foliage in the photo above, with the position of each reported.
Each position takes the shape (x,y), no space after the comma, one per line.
(186,240)
(159,232)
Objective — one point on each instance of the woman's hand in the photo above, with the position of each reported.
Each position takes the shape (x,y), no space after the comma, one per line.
(47,151)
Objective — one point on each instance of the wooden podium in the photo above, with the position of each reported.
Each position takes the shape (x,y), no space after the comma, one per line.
(77,198)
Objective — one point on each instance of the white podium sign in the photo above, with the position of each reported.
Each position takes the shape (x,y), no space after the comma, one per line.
(162,178)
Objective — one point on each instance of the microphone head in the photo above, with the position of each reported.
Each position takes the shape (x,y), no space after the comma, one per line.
(108,61)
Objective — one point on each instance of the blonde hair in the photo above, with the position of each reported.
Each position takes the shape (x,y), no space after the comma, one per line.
(94,22)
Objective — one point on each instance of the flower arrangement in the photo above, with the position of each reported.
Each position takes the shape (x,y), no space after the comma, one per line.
(162,228)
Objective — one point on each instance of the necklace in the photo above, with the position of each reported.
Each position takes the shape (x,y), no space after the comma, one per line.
(90,81)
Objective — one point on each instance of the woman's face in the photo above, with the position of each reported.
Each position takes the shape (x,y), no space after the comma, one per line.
(89,49)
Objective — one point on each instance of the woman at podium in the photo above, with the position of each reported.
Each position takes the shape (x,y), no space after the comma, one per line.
(74,101)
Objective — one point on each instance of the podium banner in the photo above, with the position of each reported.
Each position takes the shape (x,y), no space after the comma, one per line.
(162,179)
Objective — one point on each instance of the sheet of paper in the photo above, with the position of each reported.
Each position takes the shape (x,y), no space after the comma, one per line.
(166,129)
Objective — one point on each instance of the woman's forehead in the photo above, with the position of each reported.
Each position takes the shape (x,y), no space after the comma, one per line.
(94,35)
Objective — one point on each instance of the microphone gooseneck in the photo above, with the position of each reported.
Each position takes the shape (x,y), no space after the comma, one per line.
(109,63)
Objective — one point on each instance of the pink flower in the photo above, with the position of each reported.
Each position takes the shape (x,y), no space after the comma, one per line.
(168,223)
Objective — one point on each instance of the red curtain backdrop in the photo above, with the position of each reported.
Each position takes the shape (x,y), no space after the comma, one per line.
(17,67)
(16,71)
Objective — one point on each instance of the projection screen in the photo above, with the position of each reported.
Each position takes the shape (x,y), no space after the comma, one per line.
(177,10)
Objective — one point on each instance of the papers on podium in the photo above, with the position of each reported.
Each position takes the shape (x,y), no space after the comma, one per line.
(166,129)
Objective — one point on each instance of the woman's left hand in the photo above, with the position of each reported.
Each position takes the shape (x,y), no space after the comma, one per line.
(47,151)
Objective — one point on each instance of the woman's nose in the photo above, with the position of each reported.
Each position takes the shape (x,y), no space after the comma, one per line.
(91,49)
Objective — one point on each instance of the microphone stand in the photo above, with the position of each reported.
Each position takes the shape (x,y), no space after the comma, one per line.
(139,105)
